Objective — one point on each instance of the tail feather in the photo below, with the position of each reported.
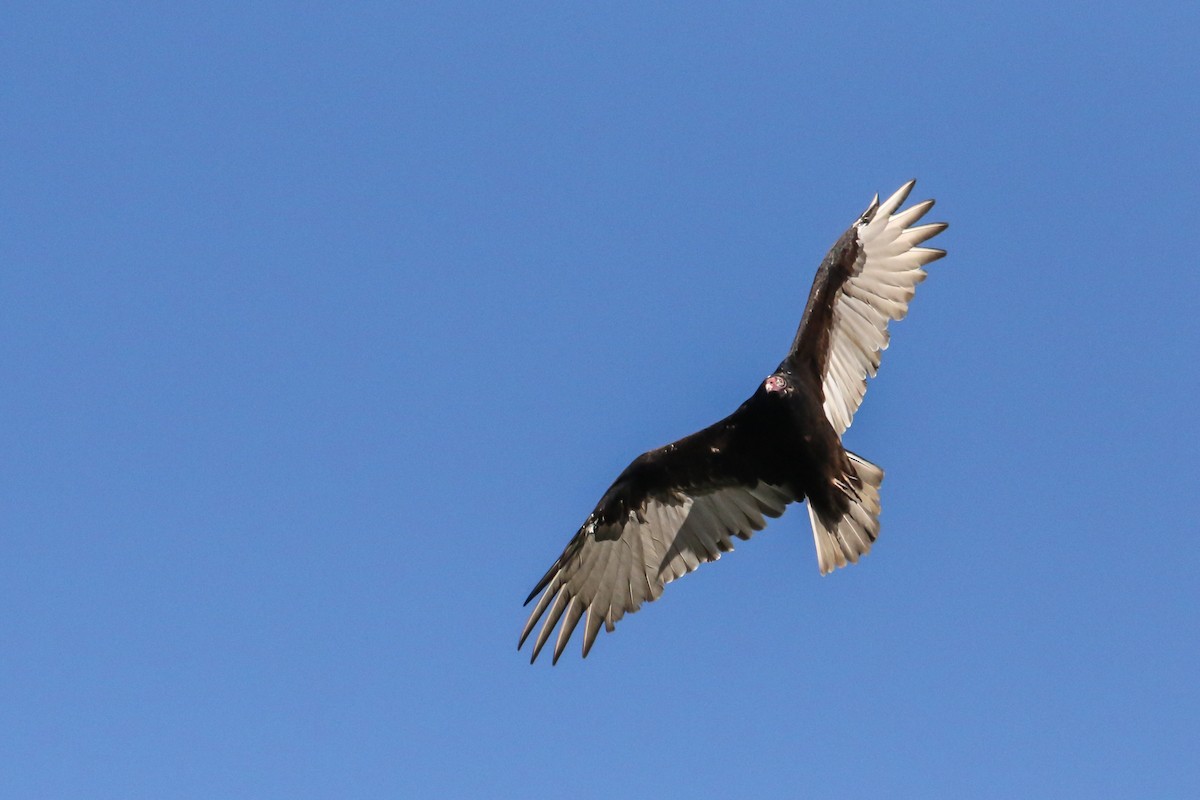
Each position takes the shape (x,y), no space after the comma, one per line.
(841,541)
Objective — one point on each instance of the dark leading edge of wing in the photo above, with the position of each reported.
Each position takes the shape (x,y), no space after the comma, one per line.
(866,281)
(671,510)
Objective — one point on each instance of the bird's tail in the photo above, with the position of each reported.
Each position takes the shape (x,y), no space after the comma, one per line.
(842,540)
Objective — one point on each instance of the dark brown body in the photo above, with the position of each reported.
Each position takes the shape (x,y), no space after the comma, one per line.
(779,438)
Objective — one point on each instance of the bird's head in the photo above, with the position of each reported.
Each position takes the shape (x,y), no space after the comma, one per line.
(778,384)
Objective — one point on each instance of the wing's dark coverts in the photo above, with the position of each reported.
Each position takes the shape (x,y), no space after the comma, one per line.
(682,505)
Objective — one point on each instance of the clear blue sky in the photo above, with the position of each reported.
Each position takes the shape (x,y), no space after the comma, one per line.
(324,327)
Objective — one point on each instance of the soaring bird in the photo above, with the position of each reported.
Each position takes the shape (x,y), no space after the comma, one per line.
(681,505)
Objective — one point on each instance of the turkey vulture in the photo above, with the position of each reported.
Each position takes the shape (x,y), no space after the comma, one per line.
(678,506)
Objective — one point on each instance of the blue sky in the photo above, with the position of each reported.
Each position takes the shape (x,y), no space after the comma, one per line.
(325,326)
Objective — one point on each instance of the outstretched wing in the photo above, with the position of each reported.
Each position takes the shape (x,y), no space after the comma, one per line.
(866,281)
(671,510)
